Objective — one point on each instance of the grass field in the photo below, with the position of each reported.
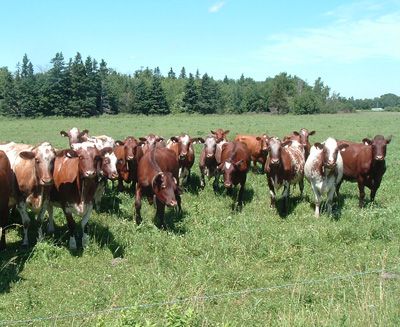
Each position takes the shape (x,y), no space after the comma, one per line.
(256,268)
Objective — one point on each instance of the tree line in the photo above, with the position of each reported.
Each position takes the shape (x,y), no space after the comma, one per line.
(85,88)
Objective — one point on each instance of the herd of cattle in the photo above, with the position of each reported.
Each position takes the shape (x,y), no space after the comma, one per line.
(74,179)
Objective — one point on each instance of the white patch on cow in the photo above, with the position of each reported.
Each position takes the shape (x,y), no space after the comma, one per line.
(84,145)
(331,146)
(74,132)
(113,162)
(185,139)
(227,165)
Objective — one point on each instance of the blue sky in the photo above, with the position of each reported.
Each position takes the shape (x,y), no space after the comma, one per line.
(354,46)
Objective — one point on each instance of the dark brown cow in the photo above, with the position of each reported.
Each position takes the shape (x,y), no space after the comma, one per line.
(302,138)
(235,163)
(364,163)
(128,153)
(158,179)
(151,140)
(208,164)
(284,167)
(5,192)
(183,148)
(258,147)
(32,168)
(75,135)
(76,174)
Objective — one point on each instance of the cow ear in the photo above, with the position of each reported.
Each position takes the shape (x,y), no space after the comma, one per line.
(343,146)
(258,138)
(318,145)
(388,139)
(212,132)
(367,141)
(143,139)
(70,153)
(175,181)
(174,139)
(158,139)
(27,155)
(286,143)
(64,133)
(311,133)
(157,180)
(238,163)
(198,140)
(296,133)
(226,132)
(118,143)
(104,151)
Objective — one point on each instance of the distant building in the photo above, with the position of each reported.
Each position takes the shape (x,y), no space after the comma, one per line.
(377,109)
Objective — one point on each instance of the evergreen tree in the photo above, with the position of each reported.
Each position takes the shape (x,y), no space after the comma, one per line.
(191,97)
(197,76)
(208,103)
(77,104)
(27,89)
(171,74)
(142,98)
(58,88)
(182,74)
(10,106)
(158,103)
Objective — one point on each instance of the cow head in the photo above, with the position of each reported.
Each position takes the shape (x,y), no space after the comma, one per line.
(43,155)
(75,136)
(89,158)
(263,139)
(228,168)
(378,146)
(210,145)
(304,134)
(330,150)
(220,135)
(108,164)
(131,148)
(184,143)
(275,146)
(151,139)
(165,186)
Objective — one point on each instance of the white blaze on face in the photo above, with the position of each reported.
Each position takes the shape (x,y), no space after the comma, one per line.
(46,152)
(74,132)
(210,144)
(113,162)
(84,145)
(331,147)
(228,165)
(185,139)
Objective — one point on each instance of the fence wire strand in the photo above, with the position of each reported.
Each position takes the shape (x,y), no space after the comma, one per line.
(196,298)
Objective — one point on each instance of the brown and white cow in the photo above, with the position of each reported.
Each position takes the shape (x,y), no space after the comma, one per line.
(235,163)
(128,154)
(221,139)
(76,173)
(75,135)
(258,147)
(284,167)
(302,138)
(324,171)
(364,163)
(151,140)
(32,170)
(5,193)
(182,146)
(207,163)
(158,180)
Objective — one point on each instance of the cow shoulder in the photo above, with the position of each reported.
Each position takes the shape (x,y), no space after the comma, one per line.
(66,170)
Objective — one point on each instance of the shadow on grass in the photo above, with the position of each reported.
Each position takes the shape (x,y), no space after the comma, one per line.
(193,185)
(292,204)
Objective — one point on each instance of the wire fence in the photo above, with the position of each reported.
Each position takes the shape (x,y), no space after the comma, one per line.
(391,272)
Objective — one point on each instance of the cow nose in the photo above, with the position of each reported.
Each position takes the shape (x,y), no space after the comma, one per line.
(130,157)
(379,158)
(89,173)
(173,203)
(274,161)
(331,164)
(228,185)
(114,175)
(209,155)
(182,156)
(46,181)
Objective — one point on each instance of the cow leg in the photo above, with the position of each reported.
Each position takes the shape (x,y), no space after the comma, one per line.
(184,175)
(21,207)
(361,189)
(85,219)
(301,186)
(329,201)
(50,226)
(338,188)
(120,184)
(71,228)
(216,181)
(285,193)
(202,179)
(179,201)
(160,215)
(4,212)
(271,193)
(138,205)
(240,195)
(317,196)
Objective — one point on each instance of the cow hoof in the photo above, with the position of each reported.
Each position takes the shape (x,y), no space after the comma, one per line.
(72,244)
(85,240)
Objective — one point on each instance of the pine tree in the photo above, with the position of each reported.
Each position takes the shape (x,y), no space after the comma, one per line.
(77,104)
(208,103)
(141,103)
(58,88)
(10,107)
(191,97)
(171,74)
(158,103)
(182,74)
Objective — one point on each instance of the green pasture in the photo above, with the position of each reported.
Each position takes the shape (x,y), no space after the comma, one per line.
(213,267)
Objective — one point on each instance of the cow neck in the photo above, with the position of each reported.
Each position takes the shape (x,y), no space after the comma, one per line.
(153,161)
(233,153)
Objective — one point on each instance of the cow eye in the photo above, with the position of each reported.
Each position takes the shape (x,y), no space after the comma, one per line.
(163,186)
(37,160)
(80,157)
(119,161)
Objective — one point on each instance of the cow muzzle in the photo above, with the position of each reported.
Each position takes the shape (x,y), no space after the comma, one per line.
(228,185)
(274,161)
(89,174)
(379,158)
(46,181)
(331,164)
(210,155)
(172,203)
(129,158)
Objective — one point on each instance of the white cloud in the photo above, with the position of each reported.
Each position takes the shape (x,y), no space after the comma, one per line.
(345,40)
(216,7)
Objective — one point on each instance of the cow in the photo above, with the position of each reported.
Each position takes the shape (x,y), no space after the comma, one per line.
(32,170)
(75,135)
(284,167)
(5,193)
(182,146)
(302,138)
(128,154)
(147,142)
(158,180)
(258,147)
(235,163)
(221,139)
(324,171)
(76,173)
(364,163)
(207,163)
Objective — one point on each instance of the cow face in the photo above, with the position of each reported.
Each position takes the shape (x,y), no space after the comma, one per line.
(210,146)
(165,186)
(304,134)
(130,148)
(184,142)
(330,150)
(228,168)
(220,135)
(89,159)
(44,156)
(75,136)
(108,164)
(378,146)
(274,150)
(263,139)
(151,139)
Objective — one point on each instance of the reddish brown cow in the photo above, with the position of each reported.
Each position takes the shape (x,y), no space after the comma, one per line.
(183,148)
(76,174)
(302,138)
(235,163)
(158,179)
(258,147)
(208,163)
(364,163)
(128,153)
(284,166)
(151,140)
(5,192)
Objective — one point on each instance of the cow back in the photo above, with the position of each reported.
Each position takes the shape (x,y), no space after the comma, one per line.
(357,159)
